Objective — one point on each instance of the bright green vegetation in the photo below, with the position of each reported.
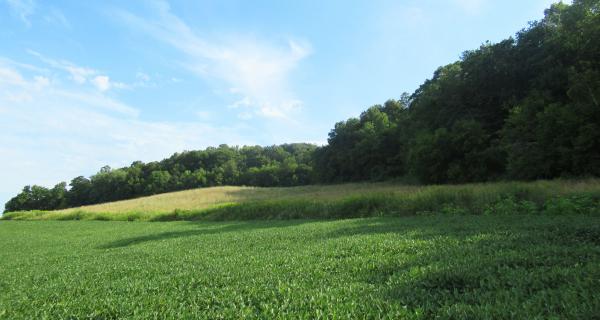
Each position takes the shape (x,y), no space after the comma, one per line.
(343,201)
(514,266)
(525,108)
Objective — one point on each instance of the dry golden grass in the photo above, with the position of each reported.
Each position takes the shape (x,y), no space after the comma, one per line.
(209,197)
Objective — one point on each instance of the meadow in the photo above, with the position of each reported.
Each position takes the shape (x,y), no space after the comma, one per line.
(369,250)
(432,266)
(352,200)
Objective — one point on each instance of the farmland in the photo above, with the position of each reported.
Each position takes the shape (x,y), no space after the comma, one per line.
(475,196)
(447,266)
(366,250)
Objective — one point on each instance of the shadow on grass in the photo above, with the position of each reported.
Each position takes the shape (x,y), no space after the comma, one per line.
(487,267)
(460,267)
(418,227)
(201,230)
(562,229)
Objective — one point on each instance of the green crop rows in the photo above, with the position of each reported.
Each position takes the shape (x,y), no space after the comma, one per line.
(519,266)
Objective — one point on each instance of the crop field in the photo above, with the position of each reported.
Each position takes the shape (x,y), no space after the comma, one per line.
(179,186)
(498,250)
(510,266)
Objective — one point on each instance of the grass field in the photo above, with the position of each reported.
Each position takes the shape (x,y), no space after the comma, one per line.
(513,266)
(205,198)
(341,201)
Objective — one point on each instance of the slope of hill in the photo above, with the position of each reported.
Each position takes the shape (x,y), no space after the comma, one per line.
(341,201)
(525,108)
(203,198)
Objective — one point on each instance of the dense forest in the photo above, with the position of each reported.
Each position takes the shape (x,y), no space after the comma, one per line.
(524,108)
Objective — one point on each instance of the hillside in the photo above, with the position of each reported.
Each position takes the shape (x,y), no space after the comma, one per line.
(342,201)
(204,198)
(525,108)
(474,196)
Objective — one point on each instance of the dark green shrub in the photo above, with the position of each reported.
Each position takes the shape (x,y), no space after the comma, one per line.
(510,205)
(574,204)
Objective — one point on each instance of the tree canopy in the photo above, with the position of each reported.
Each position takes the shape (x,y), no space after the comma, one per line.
(524,108)
(284,165)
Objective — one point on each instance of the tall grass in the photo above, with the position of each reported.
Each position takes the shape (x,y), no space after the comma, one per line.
(209,197)
(348,201)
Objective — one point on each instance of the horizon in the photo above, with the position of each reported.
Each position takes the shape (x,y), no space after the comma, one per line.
(83,85)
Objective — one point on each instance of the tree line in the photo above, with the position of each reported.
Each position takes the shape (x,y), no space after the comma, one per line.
(284,165)
(524,108)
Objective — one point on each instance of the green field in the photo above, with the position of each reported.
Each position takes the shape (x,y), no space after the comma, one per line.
(513,266)
(371,250)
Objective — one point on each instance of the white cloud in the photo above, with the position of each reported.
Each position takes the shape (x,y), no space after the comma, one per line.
(142,80)
(266,109)
(41,81)
(24,66)
(51,131)
(280,111)
(245,115)
(101,82)
(257,71)
(26,9)
(23,9)
(78,74)
(142,77)
(204,115)
(93,100)
(82,75)
(471,6)
(10,76)
(245,102)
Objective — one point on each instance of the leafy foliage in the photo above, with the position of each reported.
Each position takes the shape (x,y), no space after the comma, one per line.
(524,108)
(285,165)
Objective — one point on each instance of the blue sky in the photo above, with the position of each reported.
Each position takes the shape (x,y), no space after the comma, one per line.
(90,83)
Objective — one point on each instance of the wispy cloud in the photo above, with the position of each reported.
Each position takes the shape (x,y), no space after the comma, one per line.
(77,73)
(52,131)
(101,82)
(253,70)
(28,10)
(23,9)
(81,75)
(55,16)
